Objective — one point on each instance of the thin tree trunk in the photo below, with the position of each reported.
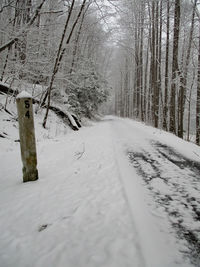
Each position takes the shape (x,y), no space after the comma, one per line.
(77,41)
(198,97)
(71,32)
(141,60)
(175,68)
(6,102)
(165,112)
(137,70)
(159,59)
(145,81)
(154,69)
(150,90)
(122,94)
(55,69)
(6,62)
(189,108)
(61,54)
(184,75)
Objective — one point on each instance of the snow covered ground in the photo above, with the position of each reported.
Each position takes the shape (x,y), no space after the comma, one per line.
(116,193)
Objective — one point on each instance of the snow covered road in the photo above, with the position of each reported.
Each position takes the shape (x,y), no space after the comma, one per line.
(170,170)
(106,197)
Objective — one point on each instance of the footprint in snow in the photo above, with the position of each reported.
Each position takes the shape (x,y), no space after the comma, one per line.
(42,227)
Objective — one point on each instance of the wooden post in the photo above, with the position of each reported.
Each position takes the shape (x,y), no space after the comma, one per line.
(27,137)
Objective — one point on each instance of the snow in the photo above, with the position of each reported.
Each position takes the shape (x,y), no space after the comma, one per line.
(4,84)
(23,94)
(71,119)
(159,248)
(95,203)
(79,200)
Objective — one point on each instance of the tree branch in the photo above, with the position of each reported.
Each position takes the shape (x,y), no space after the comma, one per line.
(7,45)
(6,6)
(11,42)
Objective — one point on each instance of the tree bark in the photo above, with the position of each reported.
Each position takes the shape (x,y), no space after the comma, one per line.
(183,79)
(165,112)
(142,7)
(160,57)
(198,97)
(175,68)
(154,67)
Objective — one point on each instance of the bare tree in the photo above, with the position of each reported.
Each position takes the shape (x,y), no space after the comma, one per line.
(165,111)
(184,75)
(61,52)
(198,97)
(175,67)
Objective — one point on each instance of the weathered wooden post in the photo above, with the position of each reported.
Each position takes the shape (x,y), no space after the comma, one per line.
(27,136)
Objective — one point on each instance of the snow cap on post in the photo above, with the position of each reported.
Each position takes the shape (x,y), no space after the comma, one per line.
(23,94)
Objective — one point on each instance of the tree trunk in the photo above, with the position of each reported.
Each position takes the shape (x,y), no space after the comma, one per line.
(165,112)
(159,58)
(189,107)
(61,52)
(183,80)
(175,68)
(145,82)
(154,67)
(5,64)
(198,97)
(141,58)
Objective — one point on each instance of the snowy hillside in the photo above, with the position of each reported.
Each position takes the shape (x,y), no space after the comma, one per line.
(116,193)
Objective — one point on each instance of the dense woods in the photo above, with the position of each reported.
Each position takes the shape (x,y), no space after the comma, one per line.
(159,64)
(57,45)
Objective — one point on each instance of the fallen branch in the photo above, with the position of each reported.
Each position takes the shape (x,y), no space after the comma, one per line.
(71,120)
(7,90)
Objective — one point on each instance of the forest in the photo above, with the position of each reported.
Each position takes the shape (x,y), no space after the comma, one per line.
(102,99)
(59,45)
(142,57)
(159,76)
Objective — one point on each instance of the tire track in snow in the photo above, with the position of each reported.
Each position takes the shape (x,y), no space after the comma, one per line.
(155,247)
(126,198)
(180,201)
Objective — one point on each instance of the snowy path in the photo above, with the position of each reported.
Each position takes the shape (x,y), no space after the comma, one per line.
(90,206)
(170,169)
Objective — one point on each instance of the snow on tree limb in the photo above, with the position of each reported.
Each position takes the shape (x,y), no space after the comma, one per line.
(8,44)
(11,42)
